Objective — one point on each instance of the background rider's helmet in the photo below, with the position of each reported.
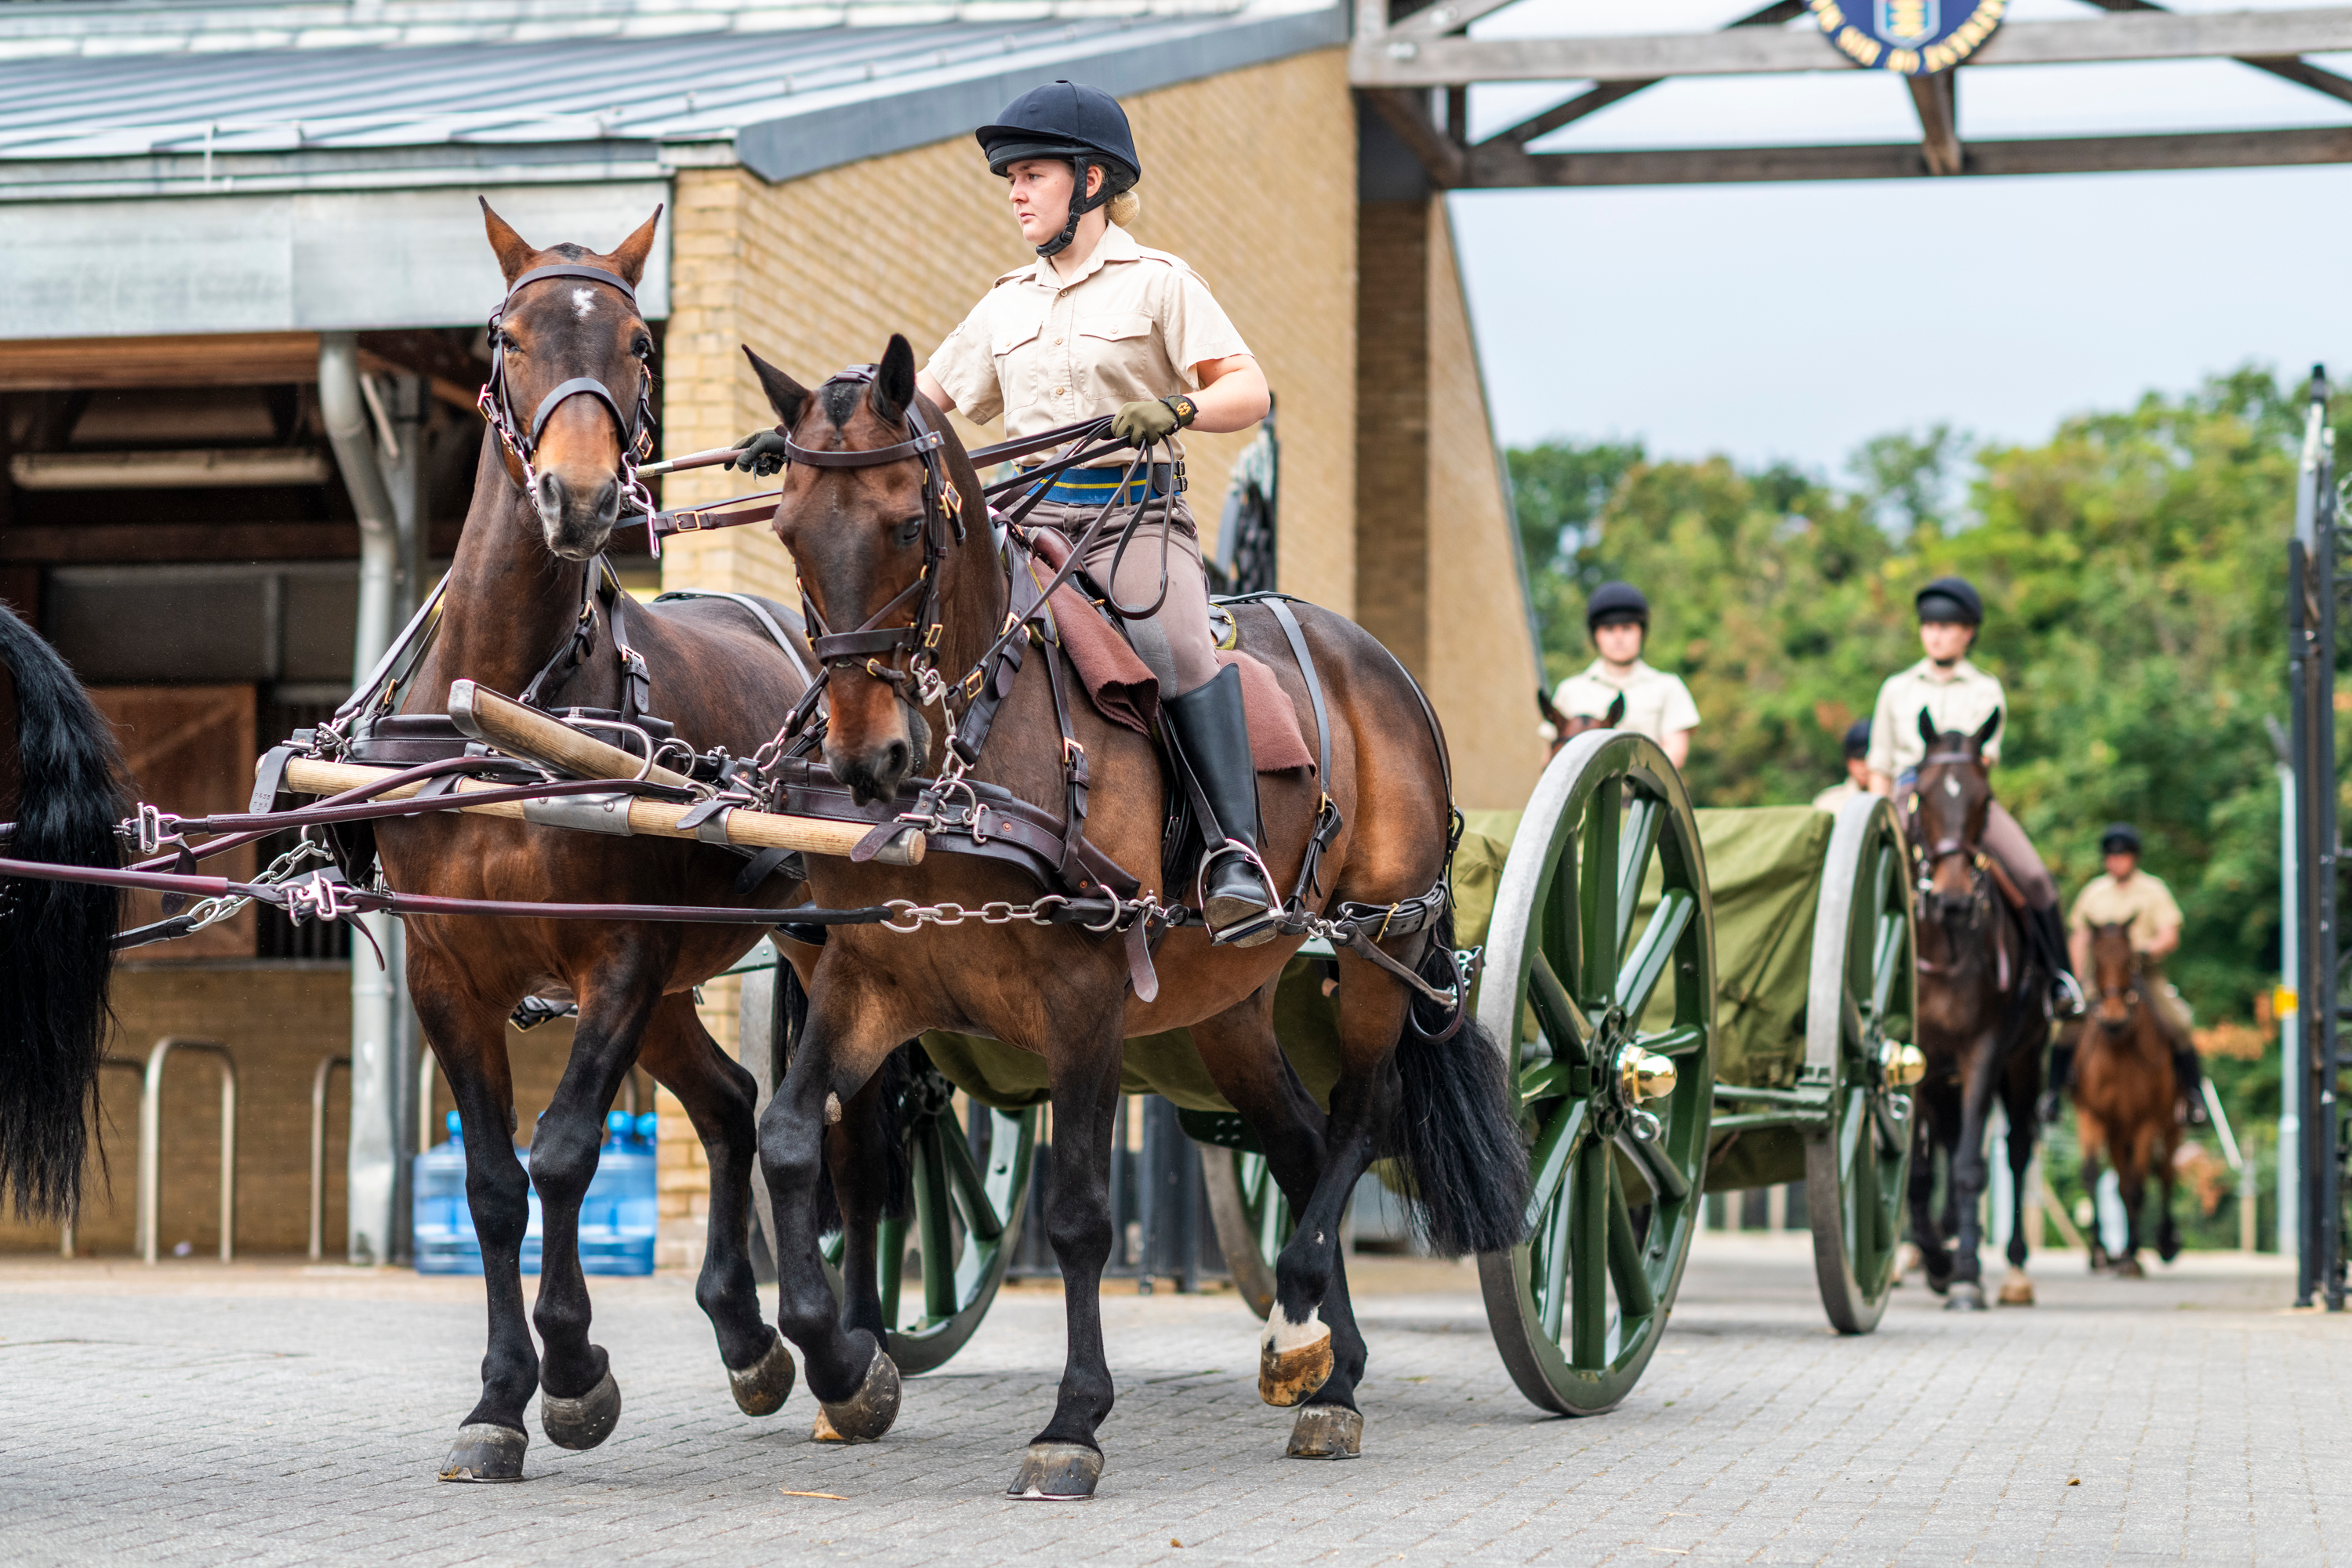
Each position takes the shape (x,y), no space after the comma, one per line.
(1067,119)
(1616,604)
(2120,838)
(1953,600)
(1857,740)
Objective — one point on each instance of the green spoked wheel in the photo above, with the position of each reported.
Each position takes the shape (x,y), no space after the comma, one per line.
(1252,1218)
(966,1222)
(1858,1028)
(1587,997)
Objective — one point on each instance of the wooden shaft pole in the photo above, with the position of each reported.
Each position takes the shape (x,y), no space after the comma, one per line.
(484,715)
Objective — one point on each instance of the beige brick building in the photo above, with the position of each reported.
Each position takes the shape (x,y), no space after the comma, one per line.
(823,192)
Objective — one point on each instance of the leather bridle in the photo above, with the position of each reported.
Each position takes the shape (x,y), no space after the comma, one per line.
(521,441)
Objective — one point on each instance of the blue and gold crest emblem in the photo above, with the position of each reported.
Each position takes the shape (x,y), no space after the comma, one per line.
(1916,38)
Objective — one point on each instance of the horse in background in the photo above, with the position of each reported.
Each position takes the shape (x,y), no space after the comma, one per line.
(1565,727)
(1984,1015)
(2123,1100)
(62,791)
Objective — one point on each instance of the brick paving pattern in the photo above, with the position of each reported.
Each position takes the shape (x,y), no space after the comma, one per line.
(270,1413)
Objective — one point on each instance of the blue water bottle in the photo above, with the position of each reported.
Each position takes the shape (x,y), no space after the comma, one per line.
(441,1219)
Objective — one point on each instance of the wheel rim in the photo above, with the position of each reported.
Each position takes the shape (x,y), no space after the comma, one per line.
(966,1223)
(1577,982)
(1860,999)
(1252,1218)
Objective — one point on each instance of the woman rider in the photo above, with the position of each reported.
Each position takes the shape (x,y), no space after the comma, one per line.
(1097,326)
(1955,695)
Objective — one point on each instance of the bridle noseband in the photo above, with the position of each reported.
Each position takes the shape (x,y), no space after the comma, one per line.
(1931,855)
(498,407)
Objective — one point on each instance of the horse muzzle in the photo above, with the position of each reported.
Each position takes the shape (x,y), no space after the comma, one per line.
(576,518)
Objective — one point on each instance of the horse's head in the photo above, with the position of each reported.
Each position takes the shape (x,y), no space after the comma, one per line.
(872,518)
(1948,803)
(2116,973)
(1565,727)
(571,380)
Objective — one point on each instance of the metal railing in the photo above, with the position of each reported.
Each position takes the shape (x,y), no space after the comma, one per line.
(65,1236)
(150,1143)
(327,1065)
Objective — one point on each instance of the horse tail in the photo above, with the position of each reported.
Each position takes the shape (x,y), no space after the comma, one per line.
(57,954)
(1454,1129)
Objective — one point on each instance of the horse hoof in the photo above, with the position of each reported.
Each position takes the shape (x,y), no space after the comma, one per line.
(485,1452)
(1294,1360)
(1967,1296)
(1939,1284)
(2129,1268)
(1906,1261)
(585,1422)
(865,1415)
(2017,1289)
(1057,1472)
(761,1388)
(2169,1247)
(1327,1432)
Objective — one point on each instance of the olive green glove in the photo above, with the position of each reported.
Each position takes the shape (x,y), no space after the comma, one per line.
(1151,419)
(760,454)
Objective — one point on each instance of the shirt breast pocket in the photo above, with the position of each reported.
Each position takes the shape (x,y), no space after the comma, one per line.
(1116,326)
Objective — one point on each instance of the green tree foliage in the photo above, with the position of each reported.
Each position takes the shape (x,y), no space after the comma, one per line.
(2131,565)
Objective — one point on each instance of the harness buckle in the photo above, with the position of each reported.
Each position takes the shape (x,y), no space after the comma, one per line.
(971,684)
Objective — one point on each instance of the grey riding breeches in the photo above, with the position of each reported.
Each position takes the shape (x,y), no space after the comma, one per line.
(1175,641)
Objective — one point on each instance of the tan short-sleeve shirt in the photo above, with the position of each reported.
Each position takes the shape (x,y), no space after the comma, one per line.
(1961,697)
(1043,350)
(1656,704)
(2140,901)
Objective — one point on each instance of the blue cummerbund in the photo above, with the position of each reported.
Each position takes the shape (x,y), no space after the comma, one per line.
(1093,487)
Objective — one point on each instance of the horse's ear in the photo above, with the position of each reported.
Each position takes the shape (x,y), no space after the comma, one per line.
(629,258)
(785,396)
(1616,714)
(1928,730)
(514,251)
(1991,726)
(894,380)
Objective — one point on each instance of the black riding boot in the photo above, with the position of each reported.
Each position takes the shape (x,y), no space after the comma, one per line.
(1212,729)
(2062,1070)
(2050,935)
(2190,1074)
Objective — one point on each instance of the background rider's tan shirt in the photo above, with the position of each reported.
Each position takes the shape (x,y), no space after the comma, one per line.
(1962,698)
(1656,704)
(2141,901)
(1044,352)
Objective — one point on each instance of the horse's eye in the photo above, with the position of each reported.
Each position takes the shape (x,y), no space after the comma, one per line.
(911,530)
(643,348)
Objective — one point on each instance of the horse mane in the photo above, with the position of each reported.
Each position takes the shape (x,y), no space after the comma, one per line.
(841,398)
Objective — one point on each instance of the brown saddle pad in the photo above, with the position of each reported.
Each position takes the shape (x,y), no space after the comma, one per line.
(1125,692)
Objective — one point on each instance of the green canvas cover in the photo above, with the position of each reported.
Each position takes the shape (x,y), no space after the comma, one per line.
(1764,869)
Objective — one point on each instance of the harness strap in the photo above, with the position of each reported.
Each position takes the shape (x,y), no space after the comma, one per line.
(752,608)
(1328,820)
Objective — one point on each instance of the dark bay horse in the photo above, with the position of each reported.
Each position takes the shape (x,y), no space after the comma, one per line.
(62,786)
(1984,1016)
(2125,1099)
(1565,727)
(520,591)
(861,533)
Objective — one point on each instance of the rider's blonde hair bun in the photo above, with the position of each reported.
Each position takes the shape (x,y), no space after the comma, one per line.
(1124,208)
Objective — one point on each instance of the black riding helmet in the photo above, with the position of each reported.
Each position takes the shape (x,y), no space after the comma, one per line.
(1857,740)
(1953,600)
(2120,838)
(1615,605)
(1067,119)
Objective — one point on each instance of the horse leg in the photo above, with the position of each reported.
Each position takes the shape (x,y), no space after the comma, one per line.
(842,1040)
(1065,1460)
(2095,1239)
(1968,1184)
(579,1401)
(1934,1125)
(866,1154)
(2131,1178)
(468,1035)
(718,1096)
(2023,1089)
(2167,1234)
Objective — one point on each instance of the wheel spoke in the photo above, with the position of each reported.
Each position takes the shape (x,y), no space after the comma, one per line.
(1563,1023)
(1556,1145)
(1588,1247)
(1640,841)
(1635,1299)
(1679,1041)
(980,1215)
(1649,961)
(1558,922)
(1555,1262)
(1885,966)
(1666,1181)
(934,1220)
(1596,894)
(891,1263)
(1852,1127)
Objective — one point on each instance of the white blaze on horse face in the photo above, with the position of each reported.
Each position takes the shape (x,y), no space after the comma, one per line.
(1282,1335)
(583,301)
(1951,786)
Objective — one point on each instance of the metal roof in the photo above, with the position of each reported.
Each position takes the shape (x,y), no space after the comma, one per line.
(249,97)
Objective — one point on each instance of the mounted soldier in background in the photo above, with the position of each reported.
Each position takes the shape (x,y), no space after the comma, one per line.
(1655,704)
(1955,695)
(2127,895)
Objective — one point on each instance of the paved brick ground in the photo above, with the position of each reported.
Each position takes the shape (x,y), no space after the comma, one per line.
(270,1413)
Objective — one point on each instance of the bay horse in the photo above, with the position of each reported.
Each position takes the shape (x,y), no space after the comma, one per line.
(871,534)
(2124,1095)
(1565,727)
(1984,1016)
(571,345)
(62,788)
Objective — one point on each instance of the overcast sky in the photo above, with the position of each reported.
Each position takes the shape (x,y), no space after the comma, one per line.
(1794,321)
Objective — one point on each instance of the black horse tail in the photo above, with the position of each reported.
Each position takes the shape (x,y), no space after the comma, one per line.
(1455,1128)
(57,954)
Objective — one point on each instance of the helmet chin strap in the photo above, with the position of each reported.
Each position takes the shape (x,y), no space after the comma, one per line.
(1081,204)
